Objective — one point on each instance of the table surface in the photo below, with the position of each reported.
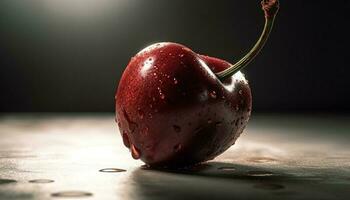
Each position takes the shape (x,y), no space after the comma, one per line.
(48,156)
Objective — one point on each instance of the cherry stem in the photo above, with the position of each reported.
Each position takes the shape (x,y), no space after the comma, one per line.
(270,8)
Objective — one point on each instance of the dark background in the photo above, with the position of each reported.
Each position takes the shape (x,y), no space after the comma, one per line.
(68,55)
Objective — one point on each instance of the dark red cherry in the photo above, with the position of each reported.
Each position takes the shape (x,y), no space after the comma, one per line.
(175,107)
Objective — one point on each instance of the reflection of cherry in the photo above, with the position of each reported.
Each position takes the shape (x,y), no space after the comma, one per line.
(175,107)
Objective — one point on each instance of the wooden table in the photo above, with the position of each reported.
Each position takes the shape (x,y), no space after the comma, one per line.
(61,156)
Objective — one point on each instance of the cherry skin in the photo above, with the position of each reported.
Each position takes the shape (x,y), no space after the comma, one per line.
(173,110)
(175,107)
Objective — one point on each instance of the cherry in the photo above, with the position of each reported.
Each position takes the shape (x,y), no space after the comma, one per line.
(175,107)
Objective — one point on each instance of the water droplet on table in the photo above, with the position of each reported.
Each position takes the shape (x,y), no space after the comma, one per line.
(259,173)
(71,194)
(261,159)
(41,181)
(112,170)
(227,168)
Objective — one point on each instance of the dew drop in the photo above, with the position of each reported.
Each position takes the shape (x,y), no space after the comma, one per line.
(161,95)
(177,128)
(240,92)
(175,81)
(177,147)
(212,94)
(181,55)
(150,105)
(209,121)
(135,153)
(141,114)
(145,131)
(237,108)
(170,54)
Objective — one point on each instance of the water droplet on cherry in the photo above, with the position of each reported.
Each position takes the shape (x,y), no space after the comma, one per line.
(135,153)
(141,114)
(212,94)
(177,147)
(175,81)
(145,131)
(161,95)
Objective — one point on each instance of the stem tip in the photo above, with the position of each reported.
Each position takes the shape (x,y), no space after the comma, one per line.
(270,7)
